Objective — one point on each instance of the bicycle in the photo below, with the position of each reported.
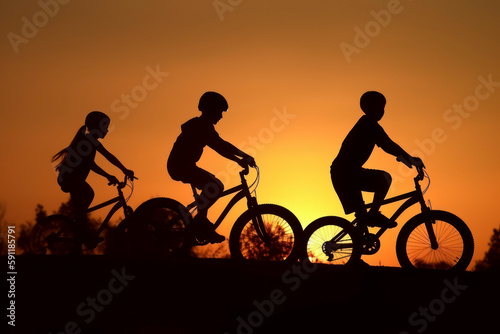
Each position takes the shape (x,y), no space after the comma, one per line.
(431,239)
(262,232)
(57,234)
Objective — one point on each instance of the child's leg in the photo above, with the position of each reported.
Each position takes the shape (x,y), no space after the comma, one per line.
(82,195)
(378,182)
(211,189)
(346,185)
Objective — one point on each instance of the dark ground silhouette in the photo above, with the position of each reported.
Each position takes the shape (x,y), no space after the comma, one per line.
(97,294)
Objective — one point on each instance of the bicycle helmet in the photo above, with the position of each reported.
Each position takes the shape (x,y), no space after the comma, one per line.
(212,101)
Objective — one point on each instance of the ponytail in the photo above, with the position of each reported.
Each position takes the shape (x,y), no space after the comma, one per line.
(64,152)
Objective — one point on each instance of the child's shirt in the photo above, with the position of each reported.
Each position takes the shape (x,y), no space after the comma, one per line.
(359,143)
(188,148)
(79,160)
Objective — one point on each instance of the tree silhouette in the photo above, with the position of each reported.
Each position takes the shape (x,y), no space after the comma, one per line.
(40,213)
(491,258)
(3,231)
(22,231)
(278,248)
(217,251)
(23,238)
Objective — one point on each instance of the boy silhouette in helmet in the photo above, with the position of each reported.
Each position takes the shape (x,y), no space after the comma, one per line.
(197,133)
(349,177)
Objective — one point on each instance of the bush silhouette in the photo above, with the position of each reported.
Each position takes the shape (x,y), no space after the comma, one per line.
(281,243)
(491,258)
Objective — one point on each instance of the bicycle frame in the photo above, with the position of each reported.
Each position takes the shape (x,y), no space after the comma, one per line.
(242,190)
(413,197)
(120,202)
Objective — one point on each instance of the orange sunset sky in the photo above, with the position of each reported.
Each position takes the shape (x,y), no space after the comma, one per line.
(292,72)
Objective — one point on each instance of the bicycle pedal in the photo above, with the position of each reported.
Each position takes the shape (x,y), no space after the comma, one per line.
(200,242)
(93,243)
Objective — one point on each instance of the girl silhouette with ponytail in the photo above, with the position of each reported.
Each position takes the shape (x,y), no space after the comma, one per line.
(77,160)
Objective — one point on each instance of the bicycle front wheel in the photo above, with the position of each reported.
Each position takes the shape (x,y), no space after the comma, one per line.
(454,245)
(276,240)
(55,234)
(331,240)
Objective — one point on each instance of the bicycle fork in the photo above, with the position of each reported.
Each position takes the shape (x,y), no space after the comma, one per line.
(430,231)
(429,221)
(258,223)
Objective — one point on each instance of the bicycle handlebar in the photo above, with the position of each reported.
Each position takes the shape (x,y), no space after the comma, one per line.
(409,164)
(121,185)
(245,171)
(420,170)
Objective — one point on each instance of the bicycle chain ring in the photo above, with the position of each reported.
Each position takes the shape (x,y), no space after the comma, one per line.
(200,242)
(371,244)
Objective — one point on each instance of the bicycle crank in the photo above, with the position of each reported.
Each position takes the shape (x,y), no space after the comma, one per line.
(371,244)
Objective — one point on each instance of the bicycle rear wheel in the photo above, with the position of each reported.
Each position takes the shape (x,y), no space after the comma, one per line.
(331,240)
(55,234)
(455,244)
(278,242)
(158,228)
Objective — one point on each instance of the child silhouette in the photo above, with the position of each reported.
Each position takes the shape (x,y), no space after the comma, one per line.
(77,160)
(197,133)
(349,178)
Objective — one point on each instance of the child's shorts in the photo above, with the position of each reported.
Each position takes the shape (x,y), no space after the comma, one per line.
(198,177)
(349,182)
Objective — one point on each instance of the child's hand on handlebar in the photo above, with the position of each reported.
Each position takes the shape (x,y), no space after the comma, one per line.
(130,174)
(247,161)
(112,180)
(417,162)
(410,161)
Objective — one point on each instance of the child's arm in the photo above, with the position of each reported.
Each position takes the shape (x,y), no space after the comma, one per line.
(111,179)
(111,158)
(231,152)
(389,146)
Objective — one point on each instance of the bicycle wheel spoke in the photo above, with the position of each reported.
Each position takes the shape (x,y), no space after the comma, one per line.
(280,239)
